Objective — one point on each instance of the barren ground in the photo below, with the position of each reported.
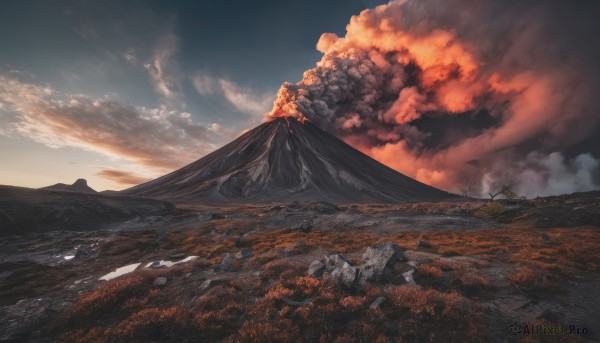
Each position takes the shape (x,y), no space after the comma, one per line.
(487,265)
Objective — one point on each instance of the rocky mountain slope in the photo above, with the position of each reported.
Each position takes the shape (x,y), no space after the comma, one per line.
(286,160)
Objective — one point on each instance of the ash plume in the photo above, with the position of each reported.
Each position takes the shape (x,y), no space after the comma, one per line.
(448,90)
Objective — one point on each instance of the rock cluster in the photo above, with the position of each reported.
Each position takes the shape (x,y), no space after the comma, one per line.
(380,263)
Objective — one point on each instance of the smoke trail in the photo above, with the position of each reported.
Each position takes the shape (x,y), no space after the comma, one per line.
(443,95)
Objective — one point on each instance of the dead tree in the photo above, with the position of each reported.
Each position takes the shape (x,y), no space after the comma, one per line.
(506,191)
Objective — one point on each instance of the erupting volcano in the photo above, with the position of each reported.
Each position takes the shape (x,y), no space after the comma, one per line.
(286,159)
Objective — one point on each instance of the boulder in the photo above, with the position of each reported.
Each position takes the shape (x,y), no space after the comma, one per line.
(316,269)
(334,261)
(341,269)
(378,261)
(345,274)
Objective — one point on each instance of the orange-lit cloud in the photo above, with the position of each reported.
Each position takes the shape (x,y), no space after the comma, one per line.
(122,178)
(157,138)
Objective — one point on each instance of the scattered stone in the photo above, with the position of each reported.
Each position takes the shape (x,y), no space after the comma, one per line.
(378,261)
(376,303)
(412,263)
(242,254)
(316,269)
(296,303)
(210,283)
(408,276)
(424,244)
(160,281)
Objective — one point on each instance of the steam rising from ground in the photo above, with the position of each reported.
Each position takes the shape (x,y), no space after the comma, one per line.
(461,89)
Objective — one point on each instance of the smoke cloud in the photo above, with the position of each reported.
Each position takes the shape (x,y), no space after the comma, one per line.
(500,92)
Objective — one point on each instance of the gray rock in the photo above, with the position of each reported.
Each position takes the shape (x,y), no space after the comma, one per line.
(345,274)
(242,254)
(378,261)
(160,281)
(376,303)
(408,276)
(335,261)
(316,269)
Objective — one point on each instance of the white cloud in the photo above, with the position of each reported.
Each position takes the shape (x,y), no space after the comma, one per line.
(158,138)
(164,71)
(244,99)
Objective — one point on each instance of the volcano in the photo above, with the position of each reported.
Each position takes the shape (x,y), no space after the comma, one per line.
(286,160)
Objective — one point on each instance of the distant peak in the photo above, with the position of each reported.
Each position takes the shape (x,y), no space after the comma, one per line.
(80,182)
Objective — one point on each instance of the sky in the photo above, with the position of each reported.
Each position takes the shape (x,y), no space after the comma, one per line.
(458,94)
(88,87)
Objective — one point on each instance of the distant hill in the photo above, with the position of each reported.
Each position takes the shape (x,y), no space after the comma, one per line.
(79,186)
(24,210)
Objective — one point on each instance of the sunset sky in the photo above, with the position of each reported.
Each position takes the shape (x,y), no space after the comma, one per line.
(444,91)
(120,91)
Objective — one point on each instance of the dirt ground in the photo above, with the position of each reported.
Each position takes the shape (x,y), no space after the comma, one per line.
(483,271)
